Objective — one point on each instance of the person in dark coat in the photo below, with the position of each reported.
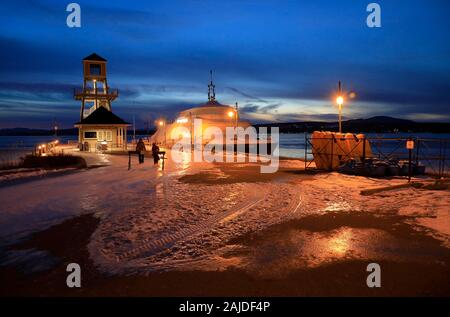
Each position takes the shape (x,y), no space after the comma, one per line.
(155,153)
(140,149)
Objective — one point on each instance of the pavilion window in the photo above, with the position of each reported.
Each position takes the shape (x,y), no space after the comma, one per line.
(90,134)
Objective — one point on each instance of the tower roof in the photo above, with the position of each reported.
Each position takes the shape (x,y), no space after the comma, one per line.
(211,89)
(101,115)
(94,57)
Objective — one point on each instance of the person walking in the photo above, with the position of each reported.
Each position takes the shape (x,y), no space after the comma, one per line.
(140,149)
(155,153)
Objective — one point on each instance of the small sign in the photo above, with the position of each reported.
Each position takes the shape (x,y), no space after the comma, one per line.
(410,145)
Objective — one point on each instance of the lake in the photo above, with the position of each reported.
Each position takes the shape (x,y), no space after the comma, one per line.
(291,145)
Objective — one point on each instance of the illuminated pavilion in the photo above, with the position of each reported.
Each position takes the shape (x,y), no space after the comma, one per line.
(212,113)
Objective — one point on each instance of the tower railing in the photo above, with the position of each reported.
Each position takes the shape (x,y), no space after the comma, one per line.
(91,92)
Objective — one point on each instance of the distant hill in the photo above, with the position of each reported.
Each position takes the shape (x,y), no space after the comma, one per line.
(382,119)
(379,124)
(27,132)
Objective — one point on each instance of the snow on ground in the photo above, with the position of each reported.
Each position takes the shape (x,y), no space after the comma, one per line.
(21,173)
(427,208)
(153,220)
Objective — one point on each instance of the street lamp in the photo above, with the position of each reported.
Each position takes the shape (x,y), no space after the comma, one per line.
(232,114)
(163,123)
(340,102)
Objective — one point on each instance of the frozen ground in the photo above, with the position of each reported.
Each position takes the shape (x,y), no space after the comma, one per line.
(189,215)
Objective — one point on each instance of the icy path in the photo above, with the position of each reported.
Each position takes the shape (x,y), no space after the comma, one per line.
(37,204)
(151,220)
(150,246)
(189,224)
(145,212)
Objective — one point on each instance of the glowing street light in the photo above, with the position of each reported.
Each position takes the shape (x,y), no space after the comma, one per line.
(162,123)
(234,113)
(340,102)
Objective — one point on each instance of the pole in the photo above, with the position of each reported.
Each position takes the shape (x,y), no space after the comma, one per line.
(417,151)
(332,152)
(165,134)
(410,166)
(340,108)
(306,148)
(236,118)
(191,128)
(364,151)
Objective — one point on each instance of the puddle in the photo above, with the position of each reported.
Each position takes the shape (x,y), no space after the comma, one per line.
(318,241)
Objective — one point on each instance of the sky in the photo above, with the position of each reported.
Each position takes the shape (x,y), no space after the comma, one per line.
(280,60)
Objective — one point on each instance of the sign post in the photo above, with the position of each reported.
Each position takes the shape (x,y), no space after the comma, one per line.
(410,148)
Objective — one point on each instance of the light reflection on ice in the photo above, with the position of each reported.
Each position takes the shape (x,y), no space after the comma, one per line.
(338,206)
(339,244)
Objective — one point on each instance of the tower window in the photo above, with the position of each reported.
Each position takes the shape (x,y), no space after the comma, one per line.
(95,69)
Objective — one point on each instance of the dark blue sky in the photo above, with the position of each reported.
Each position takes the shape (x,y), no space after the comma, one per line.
(280,60)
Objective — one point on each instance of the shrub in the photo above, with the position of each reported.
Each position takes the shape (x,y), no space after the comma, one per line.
(54,161)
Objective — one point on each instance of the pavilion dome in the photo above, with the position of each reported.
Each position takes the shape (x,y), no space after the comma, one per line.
(213,103)
(212,110)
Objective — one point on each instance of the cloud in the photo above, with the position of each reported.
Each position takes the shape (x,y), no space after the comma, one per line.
(248,96)
(159,55)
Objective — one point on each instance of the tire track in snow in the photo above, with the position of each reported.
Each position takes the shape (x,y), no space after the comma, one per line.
(151,247)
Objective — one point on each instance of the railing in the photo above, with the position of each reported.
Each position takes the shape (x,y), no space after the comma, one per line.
(78,92)
(433,153)
(103,147)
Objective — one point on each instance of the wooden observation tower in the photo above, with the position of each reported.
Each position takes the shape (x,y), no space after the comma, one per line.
(98,129)
(95,91)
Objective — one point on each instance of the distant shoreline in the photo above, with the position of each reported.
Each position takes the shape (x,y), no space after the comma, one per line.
(379,124)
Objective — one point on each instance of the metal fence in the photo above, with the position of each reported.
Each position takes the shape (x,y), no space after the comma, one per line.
(433,153)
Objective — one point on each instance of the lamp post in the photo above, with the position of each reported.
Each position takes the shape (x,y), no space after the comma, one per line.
(232,114)
(191,129)
(236,116)
(340,102)
(161,124)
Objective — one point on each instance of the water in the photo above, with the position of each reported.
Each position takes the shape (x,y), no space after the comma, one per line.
(13,148)
(291,145)
(29,142)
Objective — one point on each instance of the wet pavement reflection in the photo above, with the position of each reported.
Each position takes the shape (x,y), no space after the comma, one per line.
(333,238)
